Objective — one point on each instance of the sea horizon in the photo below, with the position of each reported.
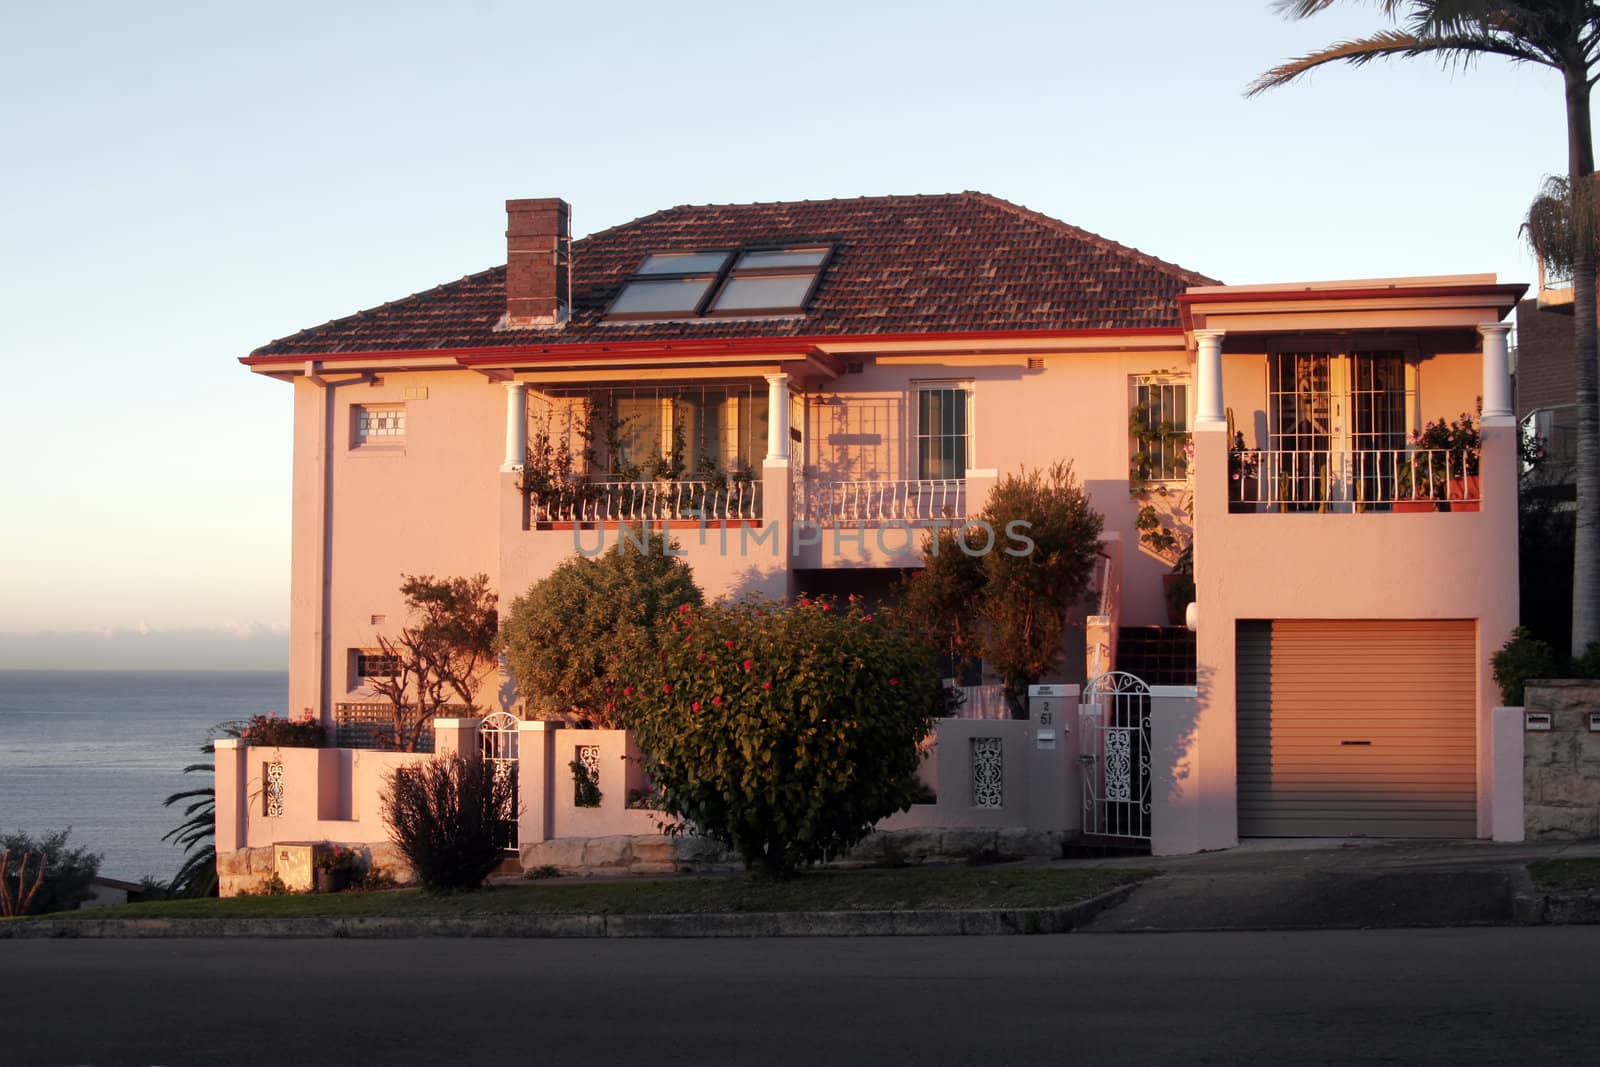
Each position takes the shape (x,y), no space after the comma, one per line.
(98,749)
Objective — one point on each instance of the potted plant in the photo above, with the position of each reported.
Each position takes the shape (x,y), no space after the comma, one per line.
(1244,485)
(1412,488)
(1453,450)
(335,868)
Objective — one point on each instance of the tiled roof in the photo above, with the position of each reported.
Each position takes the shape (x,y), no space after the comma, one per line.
(964,262)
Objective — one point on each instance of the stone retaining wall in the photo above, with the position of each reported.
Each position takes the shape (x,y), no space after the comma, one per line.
(661,854)
(1561,766)
(248,870)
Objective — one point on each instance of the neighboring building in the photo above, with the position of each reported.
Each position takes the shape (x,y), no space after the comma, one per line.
(799,389)
(1546,381)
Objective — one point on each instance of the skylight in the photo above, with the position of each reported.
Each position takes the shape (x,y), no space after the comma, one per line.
(753,281)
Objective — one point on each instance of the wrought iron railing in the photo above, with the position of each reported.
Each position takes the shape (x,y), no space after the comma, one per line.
(915,500)
(1382,480)
(637,501)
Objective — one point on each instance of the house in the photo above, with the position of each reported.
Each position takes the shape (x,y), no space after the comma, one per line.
(799,390)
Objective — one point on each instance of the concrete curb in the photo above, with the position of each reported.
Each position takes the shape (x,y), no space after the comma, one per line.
(755,924)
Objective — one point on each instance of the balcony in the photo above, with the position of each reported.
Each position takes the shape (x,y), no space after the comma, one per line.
(1356,482)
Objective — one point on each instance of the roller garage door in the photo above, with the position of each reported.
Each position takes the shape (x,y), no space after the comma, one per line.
(1357,727)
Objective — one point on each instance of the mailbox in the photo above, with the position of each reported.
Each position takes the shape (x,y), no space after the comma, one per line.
(1047,707)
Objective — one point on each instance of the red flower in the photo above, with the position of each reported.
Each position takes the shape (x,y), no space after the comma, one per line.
(627,690)
(805,603)
(766,685)
(894,681)
(749,663)
(683,608)
(728,643)
(696,705)
(826,607)
(716,702)
(866,618)
(666,688)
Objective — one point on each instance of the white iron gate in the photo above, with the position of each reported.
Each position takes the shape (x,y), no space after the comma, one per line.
(1114,717)
(497,743)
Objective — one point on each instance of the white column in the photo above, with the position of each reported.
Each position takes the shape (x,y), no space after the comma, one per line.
(1208,412)
(1496,373)
(516,426)
(777,417)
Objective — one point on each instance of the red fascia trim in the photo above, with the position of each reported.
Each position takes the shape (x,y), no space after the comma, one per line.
(801,346)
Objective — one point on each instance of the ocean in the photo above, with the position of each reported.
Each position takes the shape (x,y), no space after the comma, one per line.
(98,751)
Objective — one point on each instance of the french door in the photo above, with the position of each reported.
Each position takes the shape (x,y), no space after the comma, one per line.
(1337,423)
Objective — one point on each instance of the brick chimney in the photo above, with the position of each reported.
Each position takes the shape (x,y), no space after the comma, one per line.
(538,237)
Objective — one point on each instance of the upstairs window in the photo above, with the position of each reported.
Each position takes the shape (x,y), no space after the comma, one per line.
(942,431)
(1159,426)
(377,424)
(724,282)
(373,663)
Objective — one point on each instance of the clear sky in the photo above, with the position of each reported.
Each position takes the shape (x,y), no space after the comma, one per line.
(182,182)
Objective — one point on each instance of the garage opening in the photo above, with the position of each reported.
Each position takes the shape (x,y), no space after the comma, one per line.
(1357,727)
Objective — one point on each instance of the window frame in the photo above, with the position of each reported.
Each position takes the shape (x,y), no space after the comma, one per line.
(964,387)
(1172,379)
(713,279)
(380,441)
(736,273)
(360,678)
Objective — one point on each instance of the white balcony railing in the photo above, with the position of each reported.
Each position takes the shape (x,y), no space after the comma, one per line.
(916,500)
(648,501)
(1384,480)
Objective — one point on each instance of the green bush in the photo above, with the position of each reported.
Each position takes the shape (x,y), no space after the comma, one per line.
(68,872)
(450,817)
(1012,605)
(572,637)
(785,732)
(1522,658)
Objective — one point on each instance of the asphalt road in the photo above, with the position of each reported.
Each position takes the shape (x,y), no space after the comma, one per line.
(1501,995)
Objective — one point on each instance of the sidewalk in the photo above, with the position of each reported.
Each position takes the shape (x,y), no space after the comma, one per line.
(1271,884)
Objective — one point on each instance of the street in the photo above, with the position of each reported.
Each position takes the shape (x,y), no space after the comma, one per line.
(1405,996)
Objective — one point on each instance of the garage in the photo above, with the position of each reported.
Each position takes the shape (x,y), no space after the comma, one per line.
(1357,728)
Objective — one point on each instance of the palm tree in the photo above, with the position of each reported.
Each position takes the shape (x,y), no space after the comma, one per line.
(197,834)
(1563,35)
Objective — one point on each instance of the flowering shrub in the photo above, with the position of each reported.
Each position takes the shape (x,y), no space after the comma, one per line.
(339,858)
(1459,439)
(783,731)
(269,730)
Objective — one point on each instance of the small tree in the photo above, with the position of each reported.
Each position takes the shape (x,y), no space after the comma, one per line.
(448,818)
(44,875)
(573,637)
(441,656)
(784,732)
(1004,590)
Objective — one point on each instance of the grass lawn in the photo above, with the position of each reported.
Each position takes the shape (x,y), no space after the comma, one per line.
(1566,874)
(918,887)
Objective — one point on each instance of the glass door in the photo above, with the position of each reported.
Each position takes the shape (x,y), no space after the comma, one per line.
(1300,421)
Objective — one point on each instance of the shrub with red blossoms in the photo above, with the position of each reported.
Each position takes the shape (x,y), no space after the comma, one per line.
(791,742)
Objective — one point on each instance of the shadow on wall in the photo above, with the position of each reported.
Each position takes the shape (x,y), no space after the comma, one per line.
(1173,740)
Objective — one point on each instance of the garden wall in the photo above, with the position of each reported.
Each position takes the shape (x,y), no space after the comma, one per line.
(1561,765)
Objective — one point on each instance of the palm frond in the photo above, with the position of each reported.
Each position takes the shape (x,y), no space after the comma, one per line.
(1387,44)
